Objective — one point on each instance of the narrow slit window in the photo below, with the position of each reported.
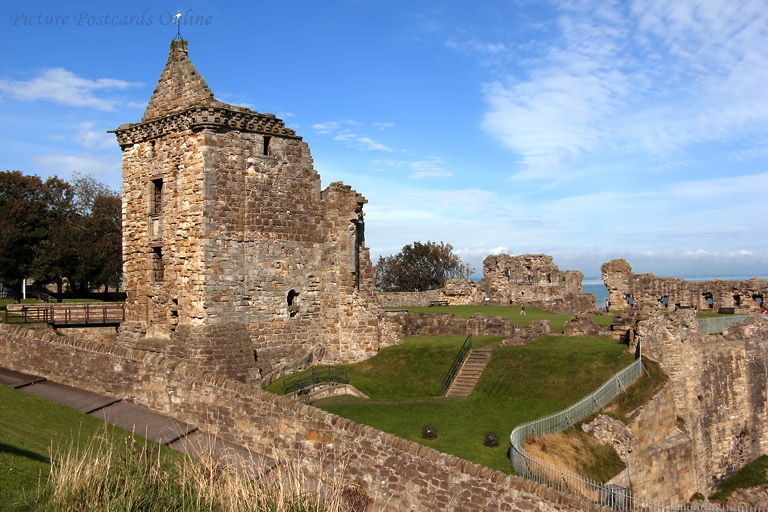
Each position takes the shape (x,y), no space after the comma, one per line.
(267,139)
(158,269)
(157,197)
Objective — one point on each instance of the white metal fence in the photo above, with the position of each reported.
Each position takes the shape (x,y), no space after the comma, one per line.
(614,496)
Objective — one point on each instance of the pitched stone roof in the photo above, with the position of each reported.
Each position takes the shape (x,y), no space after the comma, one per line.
(180,86)
(182,100)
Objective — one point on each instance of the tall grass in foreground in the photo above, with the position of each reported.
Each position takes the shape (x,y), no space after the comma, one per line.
(138,477)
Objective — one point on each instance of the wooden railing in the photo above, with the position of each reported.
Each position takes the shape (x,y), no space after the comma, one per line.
(83,314)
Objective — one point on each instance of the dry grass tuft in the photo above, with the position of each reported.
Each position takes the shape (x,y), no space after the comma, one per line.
(140,476)
(576,453)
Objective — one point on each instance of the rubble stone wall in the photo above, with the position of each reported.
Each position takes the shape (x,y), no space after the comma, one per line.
(660,465)
(625,288)
(438,324)
(718,385)
(529,280)
(534,280)
(397,474)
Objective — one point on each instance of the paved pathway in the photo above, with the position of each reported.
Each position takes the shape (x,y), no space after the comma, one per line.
(140,420)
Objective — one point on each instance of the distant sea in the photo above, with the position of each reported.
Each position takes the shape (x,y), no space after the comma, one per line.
(596,287)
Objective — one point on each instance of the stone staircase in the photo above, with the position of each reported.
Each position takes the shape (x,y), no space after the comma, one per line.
(470,371)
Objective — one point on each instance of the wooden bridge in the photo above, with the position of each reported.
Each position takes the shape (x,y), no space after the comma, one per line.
(60,315)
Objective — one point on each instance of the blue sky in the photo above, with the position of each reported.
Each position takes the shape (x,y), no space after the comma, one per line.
(586,130)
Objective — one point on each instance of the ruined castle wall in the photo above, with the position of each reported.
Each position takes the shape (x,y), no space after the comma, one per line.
(397,474)
(660,465)
(353,331)
(719,388)
(534,280)
(410,299)
(626,288)
(436,324)
(232,252)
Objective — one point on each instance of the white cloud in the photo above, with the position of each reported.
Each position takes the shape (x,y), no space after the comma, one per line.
(370,145)
(653,78)
(61,86)
(431,167)
(94,139)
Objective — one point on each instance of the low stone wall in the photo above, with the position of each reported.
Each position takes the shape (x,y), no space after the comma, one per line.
(440,324)
(583,326)
(409,299)
(101,334)
(397,474)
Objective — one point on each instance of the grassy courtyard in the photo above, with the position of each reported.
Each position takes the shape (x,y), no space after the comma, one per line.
(519,384)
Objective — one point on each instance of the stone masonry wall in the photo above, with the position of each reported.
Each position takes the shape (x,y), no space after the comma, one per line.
(436,324)
(529,279)
(670,292)
(534,280)
(660,464)
(718,383)
(397,474)
(234,257)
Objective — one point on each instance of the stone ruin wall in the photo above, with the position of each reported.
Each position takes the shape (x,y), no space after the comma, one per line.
(623,285)
(234,257)
(534,280)
(711,417)
(530,280)
(659,455)
(396,474)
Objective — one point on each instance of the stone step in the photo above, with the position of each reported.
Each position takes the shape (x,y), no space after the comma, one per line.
(469,373)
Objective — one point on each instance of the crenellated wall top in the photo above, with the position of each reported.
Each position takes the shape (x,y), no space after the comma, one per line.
(224,117)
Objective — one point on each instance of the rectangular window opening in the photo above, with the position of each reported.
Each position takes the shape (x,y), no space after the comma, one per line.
(158,270)
(267,139)
(156,207)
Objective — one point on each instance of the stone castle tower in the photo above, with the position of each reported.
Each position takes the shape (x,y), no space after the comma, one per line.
(233,256)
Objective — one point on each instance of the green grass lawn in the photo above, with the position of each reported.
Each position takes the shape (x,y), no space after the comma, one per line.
(519,384)
(512,313)
(29,428)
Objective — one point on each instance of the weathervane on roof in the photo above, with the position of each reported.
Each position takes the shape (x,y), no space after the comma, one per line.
(177,22)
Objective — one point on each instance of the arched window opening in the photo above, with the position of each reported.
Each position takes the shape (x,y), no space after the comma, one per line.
(630,300)
(709,300)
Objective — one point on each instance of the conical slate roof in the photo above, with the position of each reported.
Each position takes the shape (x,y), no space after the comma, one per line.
(180,86)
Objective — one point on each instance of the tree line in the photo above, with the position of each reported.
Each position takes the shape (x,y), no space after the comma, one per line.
(419,267)
(57,232)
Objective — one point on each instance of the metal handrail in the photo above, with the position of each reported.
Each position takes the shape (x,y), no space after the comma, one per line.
(462,355)
(314,376)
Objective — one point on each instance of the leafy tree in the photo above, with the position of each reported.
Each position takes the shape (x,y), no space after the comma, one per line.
(28,206)
(54,232)
(104,225)
(419,267)
(56,255)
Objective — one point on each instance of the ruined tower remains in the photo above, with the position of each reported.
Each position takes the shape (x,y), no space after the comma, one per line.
(233,256)
(627,289)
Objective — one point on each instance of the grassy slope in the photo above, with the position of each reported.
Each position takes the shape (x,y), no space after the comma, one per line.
(519,384)
(29,428)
